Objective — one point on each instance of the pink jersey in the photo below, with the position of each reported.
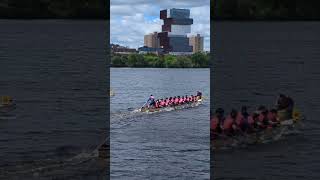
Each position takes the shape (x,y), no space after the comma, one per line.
(227,125)
(239,119)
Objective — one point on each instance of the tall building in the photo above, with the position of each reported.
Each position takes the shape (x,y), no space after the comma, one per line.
(151,40)
(196,42)
(177,24)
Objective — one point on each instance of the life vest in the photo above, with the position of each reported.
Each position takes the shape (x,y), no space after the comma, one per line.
(240,119)
(171,101)
(214,123)
(176,101)
(157,104)
(263,120)
(227,124)
(167,102)
(250,121)
(162,103)
(272,117)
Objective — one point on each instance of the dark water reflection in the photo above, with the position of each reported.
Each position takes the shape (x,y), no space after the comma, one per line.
(56,73)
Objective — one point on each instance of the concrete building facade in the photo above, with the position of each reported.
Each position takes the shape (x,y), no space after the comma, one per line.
(151,40)
(197,43)
(177,24)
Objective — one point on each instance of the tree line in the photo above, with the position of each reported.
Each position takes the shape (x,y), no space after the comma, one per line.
(265,9)
(197,60)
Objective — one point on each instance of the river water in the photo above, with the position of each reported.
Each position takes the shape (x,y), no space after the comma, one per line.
(164,145)
(253,62)
(56,73)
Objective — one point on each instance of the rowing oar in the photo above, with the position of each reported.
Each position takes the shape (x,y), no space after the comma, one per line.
(143,105)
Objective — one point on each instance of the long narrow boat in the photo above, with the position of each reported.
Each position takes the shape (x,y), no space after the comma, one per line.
(267,135)
(173,107)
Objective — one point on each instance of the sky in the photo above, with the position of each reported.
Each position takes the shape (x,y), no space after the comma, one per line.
(130,20)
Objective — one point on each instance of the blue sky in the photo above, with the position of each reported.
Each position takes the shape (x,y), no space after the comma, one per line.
(131,20)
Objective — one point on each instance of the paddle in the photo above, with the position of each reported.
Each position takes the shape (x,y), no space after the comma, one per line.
(143,105)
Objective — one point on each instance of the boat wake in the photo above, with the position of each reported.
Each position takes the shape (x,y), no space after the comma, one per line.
(131,112)
(50,168)
(124,118)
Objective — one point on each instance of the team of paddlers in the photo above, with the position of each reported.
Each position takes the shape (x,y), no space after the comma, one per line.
(173,101)
(243,122)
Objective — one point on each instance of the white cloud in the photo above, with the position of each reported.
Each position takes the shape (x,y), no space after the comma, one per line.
(130,21)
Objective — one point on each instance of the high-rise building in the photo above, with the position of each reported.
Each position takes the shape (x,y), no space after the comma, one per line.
(196,42)
(177,24)
(151,40)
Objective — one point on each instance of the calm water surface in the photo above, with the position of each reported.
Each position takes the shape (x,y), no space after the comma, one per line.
(165,145)
(55,71)
(253,63)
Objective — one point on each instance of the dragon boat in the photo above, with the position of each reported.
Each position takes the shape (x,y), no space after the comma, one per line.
(172,107)
(284,127)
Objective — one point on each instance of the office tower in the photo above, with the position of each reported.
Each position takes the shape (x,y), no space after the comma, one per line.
(176,26)
(151,40)
(196,42)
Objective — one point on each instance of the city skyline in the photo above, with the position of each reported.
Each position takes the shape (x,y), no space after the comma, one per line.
(130,22)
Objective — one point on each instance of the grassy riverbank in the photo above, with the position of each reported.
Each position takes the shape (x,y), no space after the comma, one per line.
(197,60)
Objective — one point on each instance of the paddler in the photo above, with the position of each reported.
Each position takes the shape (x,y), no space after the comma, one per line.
(171,101)
(199,94)
(272,117)
(263,119)
(151,101)
(162,103)
(229,126)
(285,106)
(242,119)
(157,104)
(176,100)
(217,121)
(187,99)
(167,101)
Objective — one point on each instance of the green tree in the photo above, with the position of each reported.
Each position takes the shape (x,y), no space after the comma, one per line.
(184,62)
(136,60)
(170,61)
(151,60)
(118,61)
(200,60)
(132,60)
